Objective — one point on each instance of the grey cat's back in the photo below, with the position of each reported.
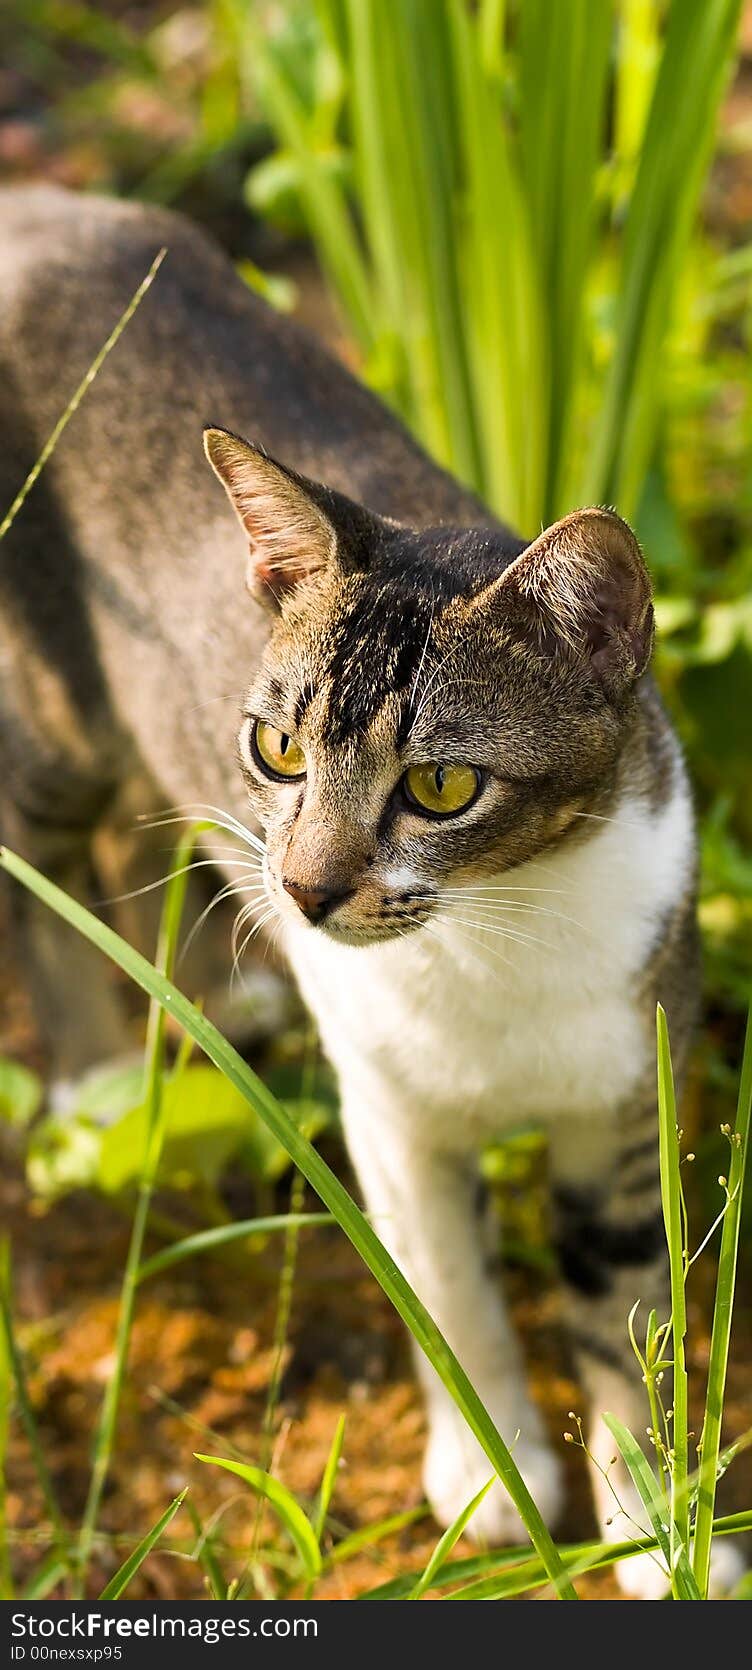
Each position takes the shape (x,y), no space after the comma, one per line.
(202,346)
(127,627)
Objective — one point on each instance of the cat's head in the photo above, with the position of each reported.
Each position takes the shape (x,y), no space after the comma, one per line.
(431,708)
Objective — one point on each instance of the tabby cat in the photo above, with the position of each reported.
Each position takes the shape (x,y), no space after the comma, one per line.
(478,836)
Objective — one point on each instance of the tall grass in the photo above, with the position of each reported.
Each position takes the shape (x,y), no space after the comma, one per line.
(155,1131)
(721,1334)
(498,161)
(665,1492)
(424,1330)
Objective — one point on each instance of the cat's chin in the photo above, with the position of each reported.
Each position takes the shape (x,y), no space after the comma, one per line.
(363,935)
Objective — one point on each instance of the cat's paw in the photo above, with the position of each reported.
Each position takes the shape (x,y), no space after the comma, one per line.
(456,1468)
(645,1577)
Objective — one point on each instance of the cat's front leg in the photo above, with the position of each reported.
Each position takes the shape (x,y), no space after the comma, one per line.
(612,1251)
(423,1207)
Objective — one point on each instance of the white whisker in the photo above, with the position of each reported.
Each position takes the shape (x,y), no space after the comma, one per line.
(597,817)
(501,932)
(498,887)
(500,907)
(416,680)
(231,889)
(437,669)
(432,929)
(234,696)
(197,864)
(238,954)
(223,820)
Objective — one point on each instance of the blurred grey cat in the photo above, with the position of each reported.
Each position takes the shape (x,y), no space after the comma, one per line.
(478,834)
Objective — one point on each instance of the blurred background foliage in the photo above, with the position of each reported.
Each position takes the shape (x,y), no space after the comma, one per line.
(532,222)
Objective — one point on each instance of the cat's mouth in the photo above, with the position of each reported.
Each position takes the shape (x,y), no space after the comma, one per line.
(373,932)
(359,918)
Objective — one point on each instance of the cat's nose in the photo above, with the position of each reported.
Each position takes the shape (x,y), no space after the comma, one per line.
(316,902)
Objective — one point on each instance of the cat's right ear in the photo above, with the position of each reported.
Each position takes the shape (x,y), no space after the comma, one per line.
(290,537)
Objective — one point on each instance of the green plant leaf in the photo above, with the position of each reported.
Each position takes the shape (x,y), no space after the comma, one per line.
(446,1543)
(691,77)
(656,1507)
(674,1221)
(329,1479)
(285,1506)
(204,1553)
(204,1125)
(119,1583)
(209,1240)
(367,1536)
(721,1332)
(20,1093)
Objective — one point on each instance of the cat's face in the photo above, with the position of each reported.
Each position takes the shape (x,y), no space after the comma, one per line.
(432,709)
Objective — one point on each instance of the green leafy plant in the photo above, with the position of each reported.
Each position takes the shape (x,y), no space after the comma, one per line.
(97,1143)
(483,199)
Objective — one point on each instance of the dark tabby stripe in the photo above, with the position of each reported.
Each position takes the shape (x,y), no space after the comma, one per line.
(591,1248)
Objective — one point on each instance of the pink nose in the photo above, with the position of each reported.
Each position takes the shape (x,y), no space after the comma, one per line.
(315,902)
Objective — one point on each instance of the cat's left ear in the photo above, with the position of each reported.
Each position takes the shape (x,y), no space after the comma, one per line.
(290,536)
(584,583)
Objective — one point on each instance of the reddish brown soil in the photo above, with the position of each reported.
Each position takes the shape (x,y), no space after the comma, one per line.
(204,1339)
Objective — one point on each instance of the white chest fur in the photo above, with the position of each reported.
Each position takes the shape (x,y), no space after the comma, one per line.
(519,1005)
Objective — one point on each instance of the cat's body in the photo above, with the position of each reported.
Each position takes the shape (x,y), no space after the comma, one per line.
(474,973)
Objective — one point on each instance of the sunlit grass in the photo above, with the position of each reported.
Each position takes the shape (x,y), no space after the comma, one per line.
(666,1491)
(484,193)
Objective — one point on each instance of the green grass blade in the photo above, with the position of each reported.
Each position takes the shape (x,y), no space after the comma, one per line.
(326,1185)
(637,60)
(673,1217)
(721,1330)
(243,1229)
(406,163)
(502,313)
(688,89)
(504,1573)
(83,387)
(107,1425)
(329,1480)
(446,1543)
(564,61)
(13,1378)
(204,1553)
(119,1583)
(678,1570)
(285,1506)
(52,1571)
(491,20)
(327,211)
(369,1535)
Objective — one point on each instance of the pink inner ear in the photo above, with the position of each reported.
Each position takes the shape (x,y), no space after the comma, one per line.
(280,576)
(624,616)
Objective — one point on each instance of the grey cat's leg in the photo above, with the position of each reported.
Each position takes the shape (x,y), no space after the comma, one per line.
(612,1251)
(423,1206)
(77,1010)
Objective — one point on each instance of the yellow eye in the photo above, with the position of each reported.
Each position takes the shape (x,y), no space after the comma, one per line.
(276,752)
(441,789)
